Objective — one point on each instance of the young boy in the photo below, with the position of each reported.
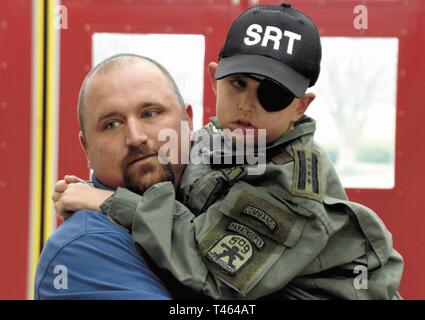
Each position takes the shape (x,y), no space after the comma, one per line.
(289,233)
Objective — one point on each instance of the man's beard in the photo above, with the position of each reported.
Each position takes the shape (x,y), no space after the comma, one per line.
(134,181)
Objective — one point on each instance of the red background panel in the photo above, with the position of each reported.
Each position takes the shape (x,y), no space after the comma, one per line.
(15,145)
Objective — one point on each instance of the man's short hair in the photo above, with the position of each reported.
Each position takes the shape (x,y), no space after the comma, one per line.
(115,62)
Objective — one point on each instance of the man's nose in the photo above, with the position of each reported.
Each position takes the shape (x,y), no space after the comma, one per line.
(135,134)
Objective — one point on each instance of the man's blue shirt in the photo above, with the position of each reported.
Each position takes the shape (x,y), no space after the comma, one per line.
(89,257)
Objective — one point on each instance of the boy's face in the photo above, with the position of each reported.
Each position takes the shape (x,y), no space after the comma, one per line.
(238,107)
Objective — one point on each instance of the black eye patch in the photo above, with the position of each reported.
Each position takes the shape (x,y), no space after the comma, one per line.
(272,96)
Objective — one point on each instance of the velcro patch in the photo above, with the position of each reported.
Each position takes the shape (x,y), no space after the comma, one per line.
(231,253)
(247,232)
(259,211)
(234,258)
(306,181)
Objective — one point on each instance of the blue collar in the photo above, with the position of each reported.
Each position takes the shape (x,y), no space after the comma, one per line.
(98,184)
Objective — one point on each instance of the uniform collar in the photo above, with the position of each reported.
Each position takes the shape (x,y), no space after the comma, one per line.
(304,126)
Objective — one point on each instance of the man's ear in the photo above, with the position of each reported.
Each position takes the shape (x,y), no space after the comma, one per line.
(83,144)
(303,104)
(212,68)
(189,115)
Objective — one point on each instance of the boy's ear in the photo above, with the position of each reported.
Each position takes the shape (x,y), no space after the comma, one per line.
(212,68)
(303,104)
(83,144)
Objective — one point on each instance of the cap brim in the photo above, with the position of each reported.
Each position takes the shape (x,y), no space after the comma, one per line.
(263,66)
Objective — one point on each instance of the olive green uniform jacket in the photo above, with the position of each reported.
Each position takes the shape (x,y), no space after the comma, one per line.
(289,233)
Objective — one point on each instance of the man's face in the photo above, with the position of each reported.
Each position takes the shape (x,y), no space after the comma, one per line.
(125,109)
(238,107)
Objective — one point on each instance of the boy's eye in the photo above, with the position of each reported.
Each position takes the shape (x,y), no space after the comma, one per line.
(111,125)
(239,83)
(149,114)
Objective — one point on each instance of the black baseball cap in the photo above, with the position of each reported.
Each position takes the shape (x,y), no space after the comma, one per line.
(275,41)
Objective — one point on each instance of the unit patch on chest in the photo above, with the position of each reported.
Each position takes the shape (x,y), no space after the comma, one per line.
(231,253)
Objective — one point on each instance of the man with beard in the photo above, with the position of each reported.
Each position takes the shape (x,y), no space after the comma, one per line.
(124,103)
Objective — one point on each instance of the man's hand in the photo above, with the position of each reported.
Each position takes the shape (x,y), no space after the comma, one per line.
(71,195)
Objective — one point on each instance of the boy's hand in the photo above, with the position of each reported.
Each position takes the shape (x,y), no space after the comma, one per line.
(71,196)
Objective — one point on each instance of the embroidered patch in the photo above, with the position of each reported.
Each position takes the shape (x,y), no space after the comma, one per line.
(260,212)
(282,158)
(231,253)
(306,174)
(247,232)
(255,262)
(261,215)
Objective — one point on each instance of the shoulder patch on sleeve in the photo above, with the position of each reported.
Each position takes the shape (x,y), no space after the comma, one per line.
(306,178)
